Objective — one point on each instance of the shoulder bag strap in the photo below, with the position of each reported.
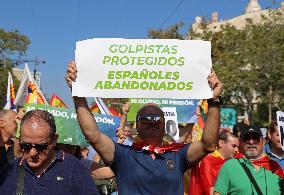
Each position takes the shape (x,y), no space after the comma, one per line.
(20,180)
(256,187)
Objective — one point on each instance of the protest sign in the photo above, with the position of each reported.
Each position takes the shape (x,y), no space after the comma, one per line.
(143,68)
(280,123)
(67,126)
(264,132)
(185,108)
(171,125)
(228,118)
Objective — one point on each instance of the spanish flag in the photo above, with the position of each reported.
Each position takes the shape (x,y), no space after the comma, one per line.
(204,175)
(266,163)
(55,101)
(112,111)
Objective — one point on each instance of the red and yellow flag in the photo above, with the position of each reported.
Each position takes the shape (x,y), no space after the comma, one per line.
(10,97)
(13,96)
(204,175)
(57,102)
(94,108)
(33,95)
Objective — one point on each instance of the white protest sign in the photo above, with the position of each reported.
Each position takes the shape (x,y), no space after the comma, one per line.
(171,123)
(143,68)
(264,132)
(280,123)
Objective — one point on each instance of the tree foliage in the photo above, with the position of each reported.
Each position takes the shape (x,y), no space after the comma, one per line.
(171,32)
(250,63)
(13,46)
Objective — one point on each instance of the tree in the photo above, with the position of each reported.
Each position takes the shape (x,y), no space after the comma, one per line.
(171,32)
(268,46)
(13,46)
(250,63)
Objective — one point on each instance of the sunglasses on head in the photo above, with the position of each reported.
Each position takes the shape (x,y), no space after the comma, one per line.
(38,147)
(150,119)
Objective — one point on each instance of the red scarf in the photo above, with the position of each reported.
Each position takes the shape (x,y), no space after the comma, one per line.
(157,149)
(266,163)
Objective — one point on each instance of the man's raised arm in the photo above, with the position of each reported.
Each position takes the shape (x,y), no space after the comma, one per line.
(100,142)
(207,144)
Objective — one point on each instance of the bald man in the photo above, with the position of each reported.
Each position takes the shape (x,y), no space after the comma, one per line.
(8,126)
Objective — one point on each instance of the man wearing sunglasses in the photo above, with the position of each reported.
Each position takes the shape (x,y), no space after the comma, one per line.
(42,170)
(232,178)
(149,167)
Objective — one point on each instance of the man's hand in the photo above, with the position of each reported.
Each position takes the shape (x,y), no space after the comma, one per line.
(71,73)
(215,84)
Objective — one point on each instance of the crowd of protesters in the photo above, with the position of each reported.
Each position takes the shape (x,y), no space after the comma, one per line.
(141,160)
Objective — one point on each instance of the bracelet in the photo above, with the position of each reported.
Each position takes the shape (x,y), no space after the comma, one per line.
(215,102)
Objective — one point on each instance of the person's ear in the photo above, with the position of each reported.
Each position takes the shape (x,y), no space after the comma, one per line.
(221,143)
(55,138)
(2,123)
(269,134)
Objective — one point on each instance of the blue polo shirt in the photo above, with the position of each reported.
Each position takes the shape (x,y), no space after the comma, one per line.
(65,176)
(137,173)
(279,160)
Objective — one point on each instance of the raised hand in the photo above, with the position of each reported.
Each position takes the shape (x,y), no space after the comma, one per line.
(71,74)
(125,108)
(121,135)
(215,84)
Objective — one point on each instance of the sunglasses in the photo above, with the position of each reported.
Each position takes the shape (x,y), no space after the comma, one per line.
(255,138)
(150,119)
(38,147)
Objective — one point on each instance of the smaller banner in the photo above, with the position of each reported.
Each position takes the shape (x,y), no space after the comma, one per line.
(171,124)
(185,108)
(228,118)
(280,123)
(67,126)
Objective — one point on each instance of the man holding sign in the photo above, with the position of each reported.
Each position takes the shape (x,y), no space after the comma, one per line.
(148,167)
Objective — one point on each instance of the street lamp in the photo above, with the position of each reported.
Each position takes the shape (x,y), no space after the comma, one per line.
(36,62)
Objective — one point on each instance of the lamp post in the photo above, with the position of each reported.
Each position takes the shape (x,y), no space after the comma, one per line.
(36,62)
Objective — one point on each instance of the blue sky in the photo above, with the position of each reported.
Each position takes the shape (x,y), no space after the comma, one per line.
(54,26)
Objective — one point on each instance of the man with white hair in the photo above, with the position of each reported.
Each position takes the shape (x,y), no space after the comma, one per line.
(250,173)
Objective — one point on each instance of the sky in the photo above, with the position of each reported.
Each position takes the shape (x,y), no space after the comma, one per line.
(54,26)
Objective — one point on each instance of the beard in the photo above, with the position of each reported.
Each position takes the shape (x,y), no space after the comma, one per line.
(252,154)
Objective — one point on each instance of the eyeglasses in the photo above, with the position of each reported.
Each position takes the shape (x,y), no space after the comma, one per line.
(38,147)
(150,119)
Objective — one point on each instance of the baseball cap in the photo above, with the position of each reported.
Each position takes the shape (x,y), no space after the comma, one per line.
(251,129)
